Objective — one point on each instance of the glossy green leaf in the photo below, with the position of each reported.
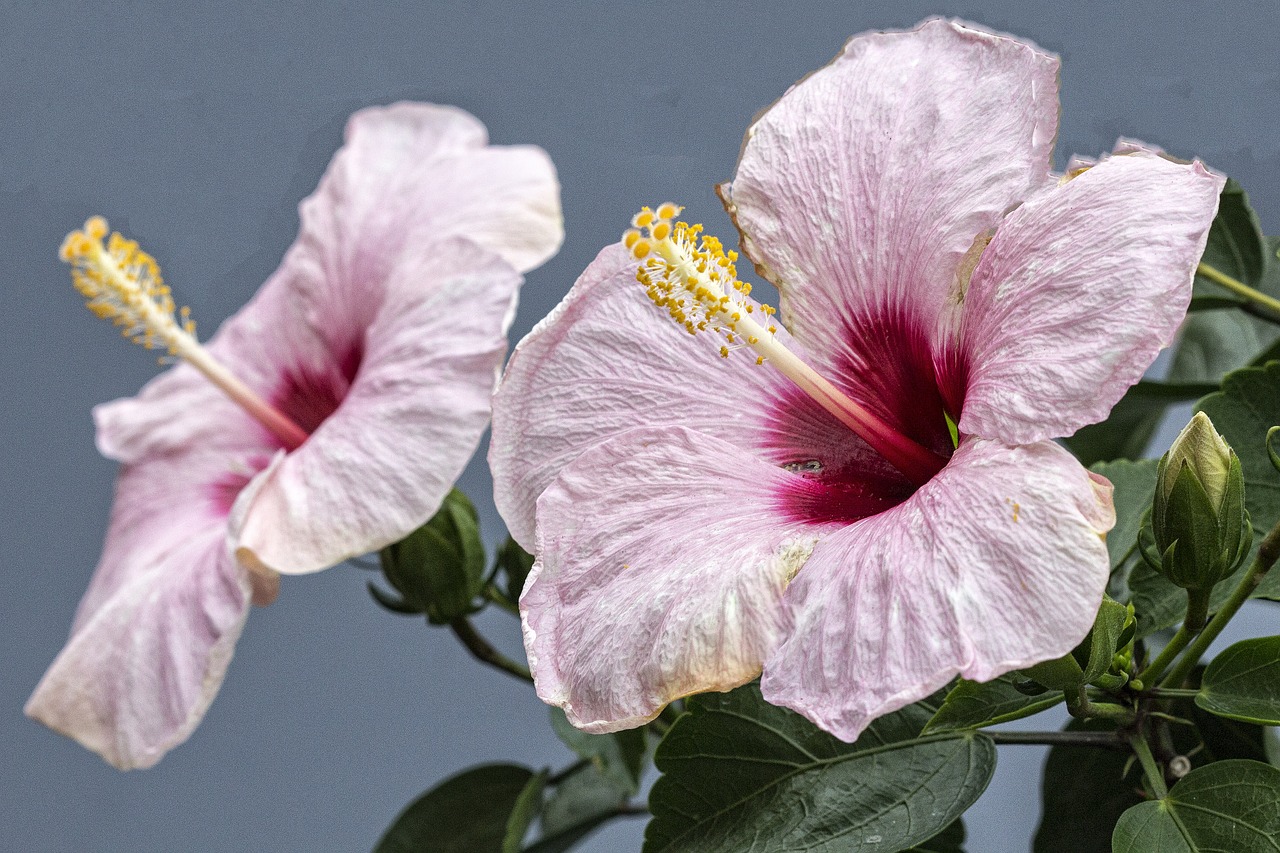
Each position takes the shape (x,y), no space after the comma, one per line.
(468,813)
(1243,682)
(1135,484)
(527,807)
(1127,431)
(1228,806)
(1213,738)
(971,705)
(1084,792)
(578,805)
(621,756)
(1235,244)
(950,840)
(740,774)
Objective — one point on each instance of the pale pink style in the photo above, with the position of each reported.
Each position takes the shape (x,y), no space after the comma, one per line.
(381,336)
(698,520)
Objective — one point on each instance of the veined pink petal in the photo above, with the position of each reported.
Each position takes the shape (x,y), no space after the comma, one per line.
(861,190)
(411,172)
(155,631)
(1078,291)
(660,573)
(382,462)
(995,564)
(409,175)
(607,360)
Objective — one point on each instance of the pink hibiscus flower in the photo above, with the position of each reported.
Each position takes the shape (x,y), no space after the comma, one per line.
(363,370)
(885,510)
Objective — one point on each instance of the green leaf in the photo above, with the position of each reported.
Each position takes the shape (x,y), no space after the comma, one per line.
(1235,245)
(1213,738)
(1243,682)
(1085,790)
(1135,486)
(950,840)
(741,774)
(620,755)
(1225,806)
(581,802)
(439,568)
(1127,431)
(972,705)
(467,813)
(1214,343)
(514,562)
(527,807)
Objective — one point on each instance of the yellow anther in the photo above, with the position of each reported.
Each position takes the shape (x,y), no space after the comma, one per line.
(122,283)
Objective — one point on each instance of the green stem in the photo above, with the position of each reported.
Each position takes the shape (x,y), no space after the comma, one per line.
(1170,693)
(1166,656)
(492,594)
(1268,552)
(1102,740)
(1238,287)
(560,776)
(1155,776)
(1079,706)
(482,650)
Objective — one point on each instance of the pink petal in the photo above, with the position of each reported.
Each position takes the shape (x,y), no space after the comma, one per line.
(411,172)
(409,176)
(1078,291)
(380,465)
(157,627)
(607,360)
(995,564)
(862,189)
(660,572)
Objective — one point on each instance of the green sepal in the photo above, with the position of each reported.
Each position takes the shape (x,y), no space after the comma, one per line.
(439,568)
(1097,652)
(1093,657)
(1194,555)
(514,562)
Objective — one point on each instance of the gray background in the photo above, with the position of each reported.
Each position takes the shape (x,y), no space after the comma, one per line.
(197,128)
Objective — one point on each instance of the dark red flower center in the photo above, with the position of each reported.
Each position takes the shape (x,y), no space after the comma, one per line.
(889,364)
(305,395)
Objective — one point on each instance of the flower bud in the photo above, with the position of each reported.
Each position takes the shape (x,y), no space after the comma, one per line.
(1198,520)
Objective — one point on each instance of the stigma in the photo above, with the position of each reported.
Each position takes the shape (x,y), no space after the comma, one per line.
(122,283)
(694,279)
